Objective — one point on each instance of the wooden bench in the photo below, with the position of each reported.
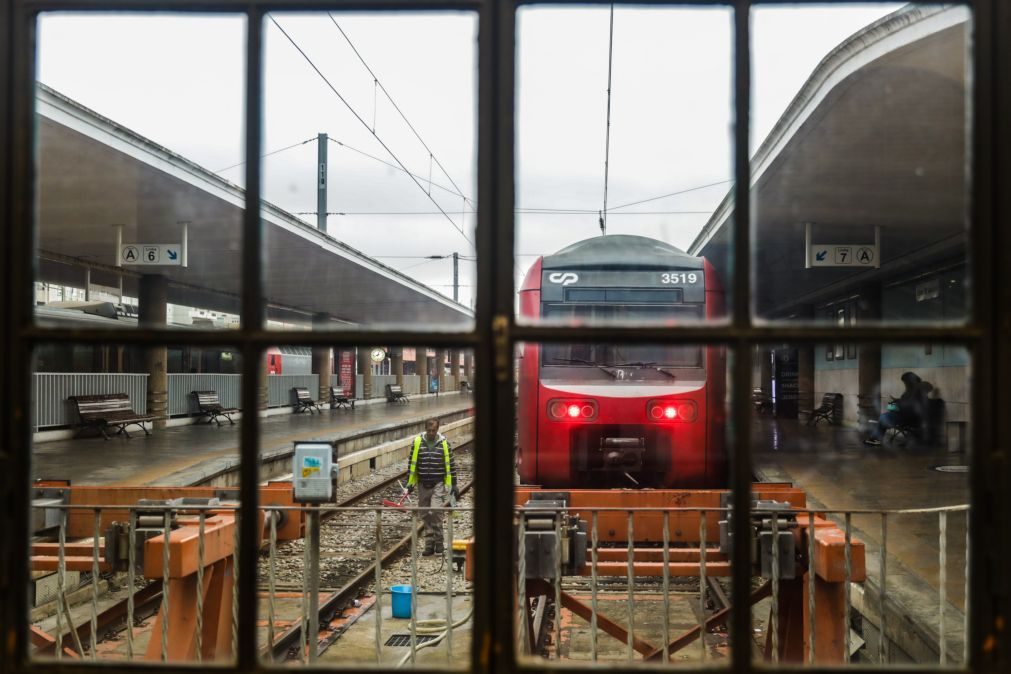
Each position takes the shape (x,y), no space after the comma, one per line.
(826,410)
(209,405)
(109,410)
(304,401)
(395,394)
(338,400)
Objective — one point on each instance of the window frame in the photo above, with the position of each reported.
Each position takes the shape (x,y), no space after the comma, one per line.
(496,332)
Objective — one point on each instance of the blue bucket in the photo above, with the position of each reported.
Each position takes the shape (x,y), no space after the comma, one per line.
(401,601)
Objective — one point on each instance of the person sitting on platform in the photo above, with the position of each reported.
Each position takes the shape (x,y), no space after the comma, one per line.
(909,410)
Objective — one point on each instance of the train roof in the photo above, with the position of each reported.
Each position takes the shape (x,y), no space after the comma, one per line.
(622,251)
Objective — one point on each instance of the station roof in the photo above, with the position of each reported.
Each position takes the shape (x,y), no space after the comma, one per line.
(876,136)
(94,174)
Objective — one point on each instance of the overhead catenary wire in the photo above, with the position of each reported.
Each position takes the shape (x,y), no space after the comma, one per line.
(672,194)
(379,84)
(399,168)
(366,125)
(607,130)
(272,152)
(522,211)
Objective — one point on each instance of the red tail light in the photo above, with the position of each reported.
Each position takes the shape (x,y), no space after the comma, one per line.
(572,410)
(672,410)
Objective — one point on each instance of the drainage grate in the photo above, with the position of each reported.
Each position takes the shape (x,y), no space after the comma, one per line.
(405,639)
(952,469)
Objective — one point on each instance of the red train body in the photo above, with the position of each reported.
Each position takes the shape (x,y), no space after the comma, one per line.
(633,416)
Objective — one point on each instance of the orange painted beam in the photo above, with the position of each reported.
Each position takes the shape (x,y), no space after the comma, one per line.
(71,562)
(656,555)
(830,553)
(219,543)
(655,569)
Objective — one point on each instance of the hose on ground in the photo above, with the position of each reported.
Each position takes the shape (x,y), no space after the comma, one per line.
(435,626)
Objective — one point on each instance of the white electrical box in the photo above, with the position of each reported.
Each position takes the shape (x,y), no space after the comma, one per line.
(312,470)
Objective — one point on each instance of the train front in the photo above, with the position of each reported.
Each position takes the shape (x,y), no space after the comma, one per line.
(608,415)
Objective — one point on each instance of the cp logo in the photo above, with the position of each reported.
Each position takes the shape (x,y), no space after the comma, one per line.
(565,278)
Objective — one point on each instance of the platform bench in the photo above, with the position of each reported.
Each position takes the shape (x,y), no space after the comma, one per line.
(110,410)
(304,401)
(209,405)
(395,394)
(826,410)
(338,399)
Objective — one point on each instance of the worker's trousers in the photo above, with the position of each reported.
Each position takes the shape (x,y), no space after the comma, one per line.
(434,496)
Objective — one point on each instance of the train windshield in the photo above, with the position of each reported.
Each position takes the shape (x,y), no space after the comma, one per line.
(609,355)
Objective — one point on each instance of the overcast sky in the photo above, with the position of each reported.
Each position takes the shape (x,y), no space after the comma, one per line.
(179,81)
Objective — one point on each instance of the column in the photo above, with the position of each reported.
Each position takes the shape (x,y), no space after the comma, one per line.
(805,368)
(468,366)
(397,365)
(365,369)
(421,367)
(440,368)
(322,358)
(868,357)
(153,298)
(454,368)
(430,369)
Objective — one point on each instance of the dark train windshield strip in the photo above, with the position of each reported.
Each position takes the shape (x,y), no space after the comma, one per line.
(645,356)
(623,312)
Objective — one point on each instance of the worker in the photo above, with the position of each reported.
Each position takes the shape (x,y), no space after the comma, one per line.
(432,467)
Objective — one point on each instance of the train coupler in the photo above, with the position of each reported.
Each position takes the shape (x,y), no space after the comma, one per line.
(554,541)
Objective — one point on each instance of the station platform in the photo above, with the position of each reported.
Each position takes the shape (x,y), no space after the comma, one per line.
(839,472)
(175,456)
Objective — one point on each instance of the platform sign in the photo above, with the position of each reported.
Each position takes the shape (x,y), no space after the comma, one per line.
(151,254)
(836,255)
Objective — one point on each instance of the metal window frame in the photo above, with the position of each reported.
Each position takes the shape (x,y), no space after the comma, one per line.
(496,332)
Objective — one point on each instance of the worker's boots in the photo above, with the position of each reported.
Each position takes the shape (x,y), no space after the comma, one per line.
(430,548)
(438,547)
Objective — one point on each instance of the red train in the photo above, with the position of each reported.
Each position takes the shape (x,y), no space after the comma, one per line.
(632,416)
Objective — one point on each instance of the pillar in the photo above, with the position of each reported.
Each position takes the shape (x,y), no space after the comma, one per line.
(440,367)
(365,369)
(322,358)
(868,356)
(153,298)
(261,385)
(421,367)
(454,368)
(805,367)
(430,369)
(397,365)
(468,366)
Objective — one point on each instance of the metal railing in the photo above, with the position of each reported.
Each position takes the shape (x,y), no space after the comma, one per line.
(180,386)
(179,597)
(279,387)
(51,391)
(784,605)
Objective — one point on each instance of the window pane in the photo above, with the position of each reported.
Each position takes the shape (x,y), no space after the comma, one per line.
(860,188)
(872,432)
(614,192)
(632,439)
(134,219)
(370,118)
(125,439)
(362,410)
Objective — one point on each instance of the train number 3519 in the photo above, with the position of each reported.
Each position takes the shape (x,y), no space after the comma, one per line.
(679,277)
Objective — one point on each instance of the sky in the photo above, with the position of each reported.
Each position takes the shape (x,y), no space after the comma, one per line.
(179,81)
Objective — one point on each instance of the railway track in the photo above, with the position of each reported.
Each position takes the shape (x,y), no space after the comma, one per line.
(342,563)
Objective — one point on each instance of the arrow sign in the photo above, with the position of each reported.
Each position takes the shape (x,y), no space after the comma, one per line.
(844,255)
(820,255)
(172,255)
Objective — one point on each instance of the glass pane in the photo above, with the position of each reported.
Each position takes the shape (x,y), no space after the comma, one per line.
(876,435)
(355,416)
(370,120)
(622,462)
(621,164)
(128,441)
(135,224)
(860,188)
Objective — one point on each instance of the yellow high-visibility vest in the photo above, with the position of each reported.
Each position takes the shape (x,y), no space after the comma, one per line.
(412,473)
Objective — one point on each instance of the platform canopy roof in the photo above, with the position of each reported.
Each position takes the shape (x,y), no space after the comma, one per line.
(875,137)
(94,174)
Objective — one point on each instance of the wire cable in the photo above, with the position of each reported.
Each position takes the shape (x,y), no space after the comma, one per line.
(386,93)
(673,194)
(399,168)
(607,131)
(264,156)
(366,125)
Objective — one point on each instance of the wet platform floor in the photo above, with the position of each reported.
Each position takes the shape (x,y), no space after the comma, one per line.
(169,456)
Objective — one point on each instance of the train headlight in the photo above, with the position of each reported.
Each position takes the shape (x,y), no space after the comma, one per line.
(672,410)
(572,410)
